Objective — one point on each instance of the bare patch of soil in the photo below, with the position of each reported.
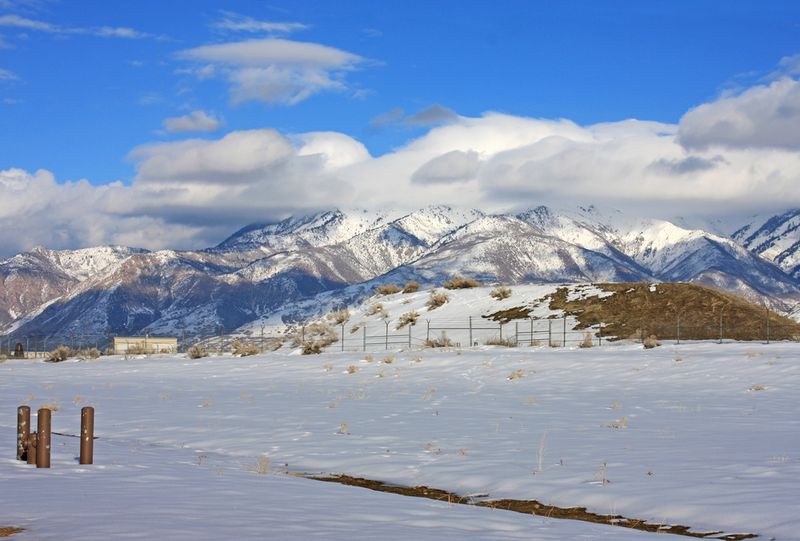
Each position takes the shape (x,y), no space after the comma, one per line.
(530,507)
(8,531)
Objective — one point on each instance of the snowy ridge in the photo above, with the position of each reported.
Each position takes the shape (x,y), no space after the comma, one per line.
(263,268)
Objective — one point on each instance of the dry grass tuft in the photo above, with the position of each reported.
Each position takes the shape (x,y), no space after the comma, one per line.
(388,289)
(497,341)
(459,282)
(352,369)
(651,342)
(244,349)
(588,340)
(197,352)
(412,286)
(500,293)
(338,317)
(409,318)
(516,374)
(60,354)
(436,300)
(377,309)
(442,341)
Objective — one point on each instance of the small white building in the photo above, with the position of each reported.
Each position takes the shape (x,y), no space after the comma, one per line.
(144,344)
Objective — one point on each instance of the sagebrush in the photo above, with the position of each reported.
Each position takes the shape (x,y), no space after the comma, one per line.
(459,282)
(436,300)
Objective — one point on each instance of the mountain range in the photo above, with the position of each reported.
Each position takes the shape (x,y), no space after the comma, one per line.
(264,268)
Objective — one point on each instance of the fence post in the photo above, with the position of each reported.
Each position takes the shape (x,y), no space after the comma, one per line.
(516,332)
(720,327)
(262,338)
(428,333)
(549,333)
(87,435)
(364,337)
(501,330)
(43,442)
(564,344)
(600,335)
(471,343)
(767,325)
(678,330)
(409,334)
(531,332)
(23,431)
(387,335)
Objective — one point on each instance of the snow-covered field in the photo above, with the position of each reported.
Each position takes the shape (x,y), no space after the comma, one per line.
(703,435)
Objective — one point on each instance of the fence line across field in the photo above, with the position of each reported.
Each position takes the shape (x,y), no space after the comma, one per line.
(385,334)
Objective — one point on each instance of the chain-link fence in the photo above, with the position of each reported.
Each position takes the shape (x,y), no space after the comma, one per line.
(379,334)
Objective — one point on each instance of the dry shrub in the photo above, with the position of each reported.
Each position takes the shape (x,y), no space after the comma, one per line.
(352,369)
(588,340)
(197,352)
(337,317)
(377,309)
(137,349)
(354,328)
(436,300)
(412,286)
(388,360)
(500,293)
(317,337)
(497,341)
(516,374)
(244,349)
(409,318)
(459,282)
(440,342)
(387,289)
(91,353)
(651,342)
(60,354)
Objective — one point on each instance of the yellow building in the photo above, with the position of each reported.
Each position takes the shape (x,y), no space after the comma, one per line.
(144,344)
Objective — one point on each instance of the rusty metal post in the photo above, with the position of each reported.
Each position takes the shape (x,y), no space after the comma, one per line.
(23,431)
(87,435)
(43,443)
(30,453)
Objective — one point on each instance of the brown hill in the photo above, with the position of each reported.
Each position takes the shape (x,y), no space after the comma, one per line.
(673,311)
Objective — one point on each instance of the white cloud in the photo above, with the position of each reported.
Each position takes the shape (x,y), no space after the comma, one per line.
(275,71)
(234,22)
(196,191)
(765,116)
(6,75)
(16,21)
(196,121)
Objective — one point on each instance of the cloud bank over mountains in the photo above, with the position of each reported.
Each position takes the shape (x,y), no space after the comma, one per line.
(735,154)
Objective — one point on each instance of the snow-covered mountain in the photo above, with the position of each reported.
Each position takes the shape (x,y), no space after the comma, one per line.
(775,238)
(266,267)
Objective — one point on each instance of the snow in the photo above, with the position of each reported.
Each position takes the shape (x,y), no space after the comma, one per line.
(701,434)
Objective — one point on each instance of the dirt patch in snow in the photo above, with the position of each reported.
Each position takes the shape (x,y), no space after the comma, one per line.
(530,507)
(8,531)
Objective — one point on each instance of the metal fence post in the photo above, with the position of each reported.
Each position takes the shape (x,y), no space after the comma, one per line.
(262,337)
(364,337)
(600,335)
(767,325)
(471,343)
(409,334)
(43,442)
(428,332)
(387,335)
(501,330)
(550,333)
(678,330)
(564,344)
(23,431)
(516,332)
(531,332)
(87,435)
(720,328)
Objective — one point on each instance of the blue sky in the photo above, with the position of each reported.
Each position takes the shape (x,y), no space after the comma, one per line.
(95,89)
